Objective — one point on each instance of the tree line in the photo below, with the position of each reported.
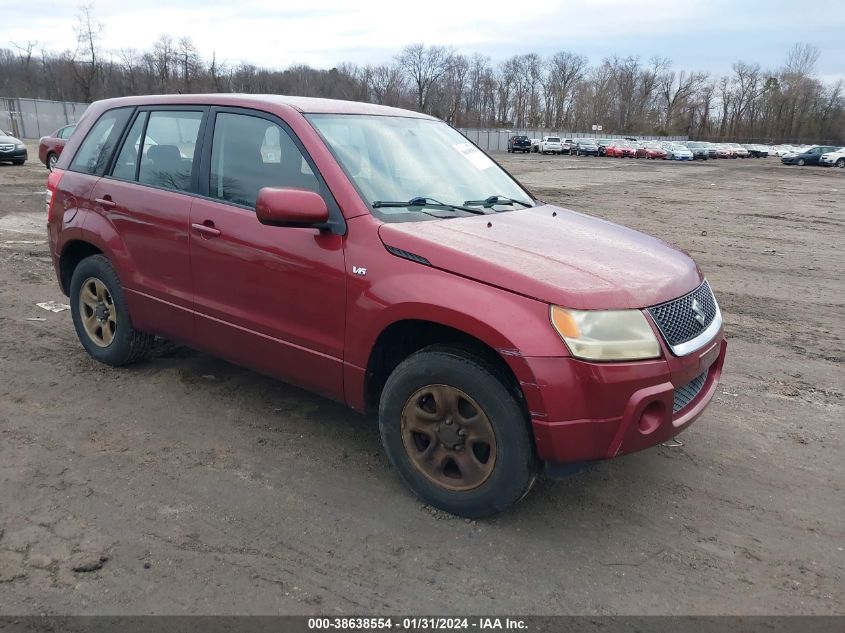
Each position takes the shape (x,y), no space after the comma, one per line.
(562,92)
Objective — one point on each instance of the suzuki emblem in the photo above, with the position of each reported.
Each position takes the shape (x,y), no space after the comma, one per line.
(699,311)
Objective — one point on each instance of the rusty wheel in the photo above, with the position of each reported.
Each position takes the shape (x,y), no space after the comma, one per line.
(99,314)
(453,425)
(448,437)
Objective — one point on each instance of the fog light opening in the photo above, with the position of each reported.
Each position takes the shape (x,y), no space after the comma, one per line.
(651,417)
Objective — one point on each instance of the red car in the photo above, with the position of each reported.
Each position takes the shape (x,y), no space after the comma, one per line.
(620,150)
(377,257)
(50,147)
(651,150)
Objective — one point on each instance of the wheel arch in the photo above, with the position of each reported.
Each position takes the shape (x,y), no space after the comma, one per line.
(73,252)
(401,338)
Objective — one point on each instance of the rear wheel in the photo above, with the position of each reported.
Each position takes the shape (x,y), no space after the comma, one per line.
(101,316)
(456,432)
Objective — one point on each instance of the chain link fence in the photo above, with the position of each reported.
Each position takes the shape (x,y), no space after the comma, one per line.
(496,139)
(34,118)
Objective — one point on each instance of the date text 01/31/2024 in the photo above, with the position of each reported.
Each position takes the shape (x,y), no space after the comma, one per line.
(413,624)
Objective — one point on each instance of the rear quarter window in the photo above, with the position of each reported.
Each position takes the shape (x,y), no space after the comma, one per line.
(94,152)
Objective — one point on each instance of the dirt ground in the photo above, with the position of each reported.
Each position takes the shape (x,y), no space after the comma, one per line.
(199,487)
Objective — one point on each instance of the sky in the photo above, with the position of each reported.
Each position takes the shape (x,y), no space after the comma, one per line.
(704,35)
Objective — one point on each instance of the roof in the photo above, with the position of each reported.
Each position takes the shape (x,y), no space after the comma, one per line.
(302,104)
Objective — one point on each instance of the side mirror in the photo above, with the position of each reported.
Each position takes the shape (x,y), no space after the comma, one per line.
(291,207)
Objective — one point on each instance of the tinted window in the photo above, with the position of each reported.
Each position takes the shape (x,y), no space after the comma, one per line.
(97,147)
(248,153)
(65,132)
(168,152)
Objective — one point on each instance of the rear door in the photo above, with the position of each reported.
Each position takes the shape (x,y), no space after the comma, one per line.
(146,196)
(267,297)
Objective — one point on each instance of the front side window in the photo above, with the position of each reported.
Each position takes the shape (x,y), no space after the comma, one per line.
(395,159)
(96,149)
(250,152)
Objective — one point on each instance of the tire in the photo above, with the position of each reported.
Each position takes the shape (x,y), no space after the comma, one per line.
(455,375)
(119,342)
(52,159)
(840,163)
(18,162)
(801,162)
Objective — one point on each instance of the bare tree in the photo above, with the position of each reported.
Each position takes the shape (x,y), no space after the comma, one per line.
(424,66)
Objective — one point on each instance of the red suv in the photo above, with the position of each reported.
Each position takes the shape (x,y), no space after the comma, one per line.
(376,256)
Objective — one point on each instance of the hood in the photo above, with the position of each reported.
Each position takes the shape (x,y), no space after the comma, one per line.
(570,259)
(8,139)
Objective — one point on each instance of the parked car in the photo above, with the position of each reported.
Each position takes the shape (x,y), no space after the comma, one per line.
(620,149)
(757,151)
(535,144)
(568,145)
(12,149)
(258,230)
(738,150)
(551,145)
(650,149)
(585,147)
(50,147)
(603,144)
(836,157)
(519,143)
(809,156)
(723,151)
(699,149)
(676,151)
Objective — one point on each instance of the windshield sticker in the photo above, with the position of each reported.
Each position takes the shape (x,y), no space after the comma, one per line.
(479,159)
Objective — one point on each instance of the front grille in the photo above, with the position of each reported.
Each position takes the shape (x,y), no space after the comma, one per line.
(6,148)
(676,319)
(686,394)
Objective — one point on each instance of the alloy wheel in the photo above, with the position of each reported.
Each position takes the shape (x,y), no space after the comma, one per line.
(98,312)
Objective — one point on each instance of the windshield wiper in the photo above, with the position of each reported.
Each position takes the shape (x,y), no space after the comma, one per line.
(421,201)
(493,200)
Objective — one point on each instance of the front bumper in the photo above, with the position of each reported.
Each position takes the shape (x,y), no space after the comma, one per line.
(602,410)
(15,154)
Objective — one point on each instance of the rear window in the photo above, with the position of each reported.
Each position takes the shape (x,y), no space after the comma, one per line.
(94,152)
(554,139)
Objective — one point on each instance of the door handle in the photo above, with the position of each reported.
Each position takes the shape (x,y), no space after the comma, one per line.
(205,230)
(106,202)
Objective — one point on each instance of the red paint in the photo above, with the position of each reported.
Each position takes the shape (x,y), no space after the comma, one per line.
(294,302)
(51,144)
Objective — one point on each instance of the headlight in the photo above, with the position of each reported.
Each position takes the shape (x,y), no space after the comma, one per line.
(606,334)
(20,145)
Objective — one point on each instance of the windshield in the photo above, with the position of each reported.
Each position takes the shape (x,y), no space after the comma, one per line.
(394,159)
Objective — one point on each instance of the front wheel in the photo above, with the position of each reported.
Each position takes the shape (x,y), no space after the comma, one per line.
(101,316)
(801,162)
(457,433)
(52,159)
(840,163)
